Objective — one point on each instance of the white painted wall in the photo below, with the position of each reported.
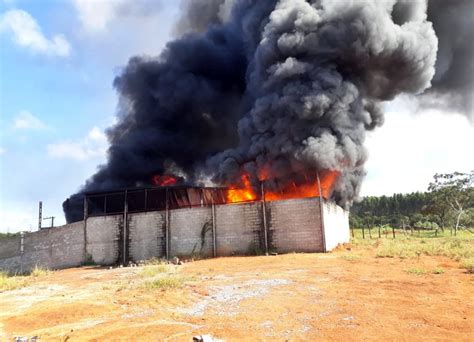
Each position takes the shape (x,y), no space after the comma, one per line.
(336,225)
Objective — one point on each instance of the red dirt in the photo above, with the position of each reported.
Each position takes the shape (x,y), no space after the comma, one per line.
(336,297)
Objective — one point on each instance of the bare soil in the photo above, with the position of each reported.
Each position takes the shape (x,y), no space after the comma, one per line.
(341,296)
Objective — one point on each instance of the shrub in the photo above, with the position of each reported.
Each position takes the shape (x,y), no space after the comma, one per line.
(468,264)
(165,283)
(417,271)
(39,271)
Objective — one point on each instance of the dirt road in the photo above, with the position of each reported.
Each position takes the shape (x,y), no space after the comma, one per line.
(341,296)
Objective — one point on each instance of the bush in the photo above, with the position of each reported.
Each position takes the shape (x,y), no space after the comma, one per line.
(39,271)
(12,282)
(165,283)
(468,264)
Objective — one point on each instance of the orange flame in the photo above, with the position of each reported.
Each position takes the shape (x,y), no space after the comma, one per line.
(293,190)
(241,195)
(165,180)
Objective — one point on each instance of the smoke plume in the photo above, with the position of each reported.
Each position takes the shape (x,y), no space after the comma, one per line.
(270,89)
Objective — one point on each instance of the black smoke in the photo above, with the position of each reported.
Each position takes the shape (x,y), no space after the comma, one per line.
(453,83)
(288,86)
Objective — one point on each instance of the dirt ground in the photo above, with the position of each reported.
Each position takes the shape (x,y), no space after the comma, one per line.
(340,296)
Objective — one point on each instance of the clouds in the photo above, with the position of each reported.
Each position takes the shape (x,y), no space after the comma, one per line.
(409,149)
(26,32)
(93,146)
(27,121)
(96,15)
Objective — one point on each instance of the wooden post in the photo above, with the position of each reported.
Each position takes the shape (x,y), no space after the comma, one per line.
(167,226)
(379,232)
(393,231)
(264,214)
(321,207)
(363,232)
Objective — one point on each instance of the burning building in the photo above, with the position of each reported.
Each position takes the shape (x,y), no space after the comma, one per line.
(265,91)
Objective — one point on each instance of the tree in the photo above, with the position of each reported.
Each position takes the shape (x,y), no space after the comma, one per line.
(452,192)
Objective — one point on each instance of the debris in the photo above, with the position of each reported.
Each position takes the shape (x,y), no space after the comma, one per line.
(205,338)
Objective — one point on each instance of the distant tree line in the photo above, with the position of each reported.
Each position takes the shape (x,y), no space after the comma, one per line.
(448,203)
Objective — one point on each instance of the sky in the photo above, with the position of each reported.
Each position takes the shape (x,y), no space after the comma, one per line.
(58,59)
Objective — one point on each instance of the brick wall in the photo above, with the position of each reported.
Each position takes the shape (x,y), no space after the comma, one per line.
(10,255)
(238,228)
(146,235)
(295,225)
(191,231)
(55,248)
(103,238)
(292,226)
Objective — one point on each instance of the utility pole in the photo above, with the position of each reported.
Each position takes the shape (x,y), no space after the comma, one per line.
(40,214)
(52,220)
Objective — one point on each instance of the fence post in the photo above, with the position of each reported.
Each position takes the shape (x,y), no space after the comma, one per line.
(86,216)
(393,231)
(379,232)
(167,226)
(363,232)
(264,213)
(214,242)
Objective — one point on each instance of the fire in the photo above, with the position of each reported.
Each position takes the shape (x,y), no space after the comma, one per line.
(164,180)
(242,195)
(308,188)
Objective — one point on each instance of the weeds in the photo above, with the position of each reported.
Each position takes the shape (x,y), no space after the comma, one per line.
(151,271)
(468,264)
(438,270)
(350,257)
(39,271)
(417,271)
(165,283)
(459,248)
(12,282)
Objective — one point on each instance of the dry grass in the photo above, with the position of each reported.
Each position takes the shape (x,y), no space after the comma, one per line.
(459,248)
(8,283)
(165,282)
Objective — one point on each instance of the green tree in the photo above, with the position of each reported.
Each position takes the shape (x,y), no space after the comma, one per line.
(452,192)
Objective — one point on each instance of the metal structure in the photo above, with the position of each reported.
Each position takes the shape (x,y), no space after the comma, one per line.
(151,199)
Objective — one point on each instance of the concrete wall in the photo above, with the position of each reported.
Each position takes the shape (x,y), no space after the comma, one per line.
(291,226)
(147,235)
(295,225)
(336,225)
(239,229)
(191,232)
(60,247)
(10,254)
(103,239)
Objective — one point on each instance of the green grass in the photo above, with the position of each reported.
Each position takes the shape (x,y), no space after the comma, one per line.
(165,282)
(417,271)
(151,271)
(459,248)
(438,270)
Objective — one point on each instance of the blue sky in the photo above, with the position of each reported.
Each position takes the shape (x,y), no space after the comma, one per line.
(57,64)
